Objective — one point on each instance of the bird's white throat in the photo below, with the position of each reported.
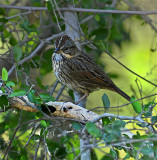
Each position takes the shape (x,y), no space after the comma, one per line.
(57,57)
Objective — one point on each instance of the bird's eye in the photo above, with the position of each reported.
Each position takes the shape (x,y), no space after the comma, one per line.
(66,48)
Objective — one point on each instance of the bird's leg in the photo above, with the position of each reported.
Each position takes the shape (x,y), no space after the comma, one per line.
(84,96)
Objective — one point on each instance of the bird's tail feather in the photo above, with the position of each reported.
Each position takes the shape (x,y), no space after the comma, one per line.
(123,94)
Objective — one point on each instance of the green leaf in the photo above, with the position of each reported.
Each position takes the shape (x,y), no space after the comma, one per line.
(18,92)
(28,28)
(6,34)
(155,151)
(31,96)
(2,11)
(105,121)
(59,151)
(71,94)
(26,68)
(93,130)
(3,101)
(4,20)
(13,40)
(113,153)
(126,157)
(1,28)
(23,154)
(46,97)
(46,59)
(43,123)
(136,105)
(36,62)
(112,75)
(3,90)
(49,6)
(97,17)
(107,158)
(147,109)
(4,74)
(154,119)
(101,33)
(106,101)
(17,52)
(37,3)
(119,123)
(10,84)
(39,114)
(147,151)
(76,125)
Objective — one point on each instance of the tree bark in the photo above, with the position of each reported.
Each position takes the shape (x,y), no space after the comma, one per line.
(73,30)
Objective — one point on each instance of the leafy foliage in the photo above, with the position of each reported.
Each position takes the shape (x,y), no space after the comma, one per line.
(17,52)
(136,105)
(18,92)
(4,74)
(106,101)
(25,38)
(93,130)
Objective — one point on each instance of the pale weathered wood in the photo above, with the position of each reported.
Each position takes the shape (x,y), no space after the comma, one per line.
(67,110)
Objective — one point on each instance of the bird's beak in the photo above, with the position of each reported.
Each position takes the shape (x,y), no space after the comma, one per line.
(57,50)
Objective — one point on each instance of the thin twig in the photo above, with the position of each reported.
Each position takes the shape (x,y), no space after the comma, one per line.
(24,8)
(35,128)
(58,9)
(17,128)
(54,87)
(145,18)
(19,44)
(128,102)
(87,19)
(34,52)
(81,10)
(46,148)
(19,15)
(37,148)
(55,15)
(130,69)
(60,92)
(137,118)
(139,88)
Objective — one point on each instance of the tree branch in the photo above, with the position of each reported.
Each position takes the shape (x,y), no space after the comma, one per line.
(130,69)
(137,118)
(60,109)
(81,10)
(34,52)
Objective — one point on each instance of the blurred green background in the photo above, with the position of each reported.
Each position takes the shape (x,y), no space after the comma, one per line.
(131,39)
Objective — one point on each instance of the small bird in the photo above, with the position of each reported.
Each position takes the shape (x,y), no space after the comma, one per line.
(78,71)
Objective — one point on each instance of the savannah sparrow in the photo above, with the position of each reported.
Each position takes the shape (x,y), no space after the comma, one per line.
(78,71)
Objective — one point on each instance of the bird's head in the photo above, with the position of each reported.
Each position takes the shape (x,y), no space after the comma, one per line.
(65,46)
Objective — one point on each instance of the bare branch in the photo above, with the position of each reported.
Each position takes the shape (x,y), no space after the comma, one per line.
(137,118)
(60,92)
(34,52)
(130,69)
(61,109)
(54,87)
(17,128)
(81,10)
(24,8)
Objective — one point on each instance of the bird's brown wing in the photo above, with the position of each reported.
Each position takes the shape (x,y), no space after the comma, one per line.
(90,75)
(89,80)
